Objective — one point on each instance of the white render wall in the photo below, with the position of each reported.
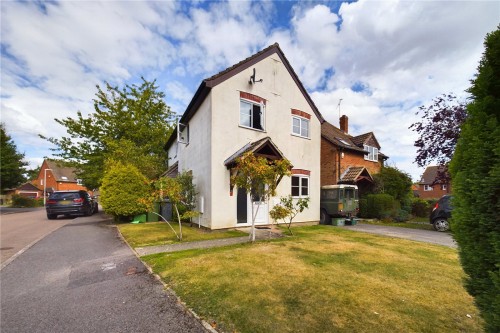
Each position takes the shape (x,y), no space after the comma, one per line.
(195,156)
(282,94)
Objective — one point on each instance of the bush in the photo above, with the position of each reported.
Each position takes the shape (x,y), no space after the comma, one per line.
(19,201)
(381,206)
(475,170)
(420,207)
(122,189)
(363,208)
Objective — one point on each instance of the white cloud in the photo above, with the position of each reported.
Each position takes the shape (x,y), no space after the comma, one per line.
(403,52)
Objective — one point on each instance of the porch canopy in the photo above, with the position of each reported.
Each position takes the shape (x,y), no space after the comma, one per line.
(355,175)
(264,148)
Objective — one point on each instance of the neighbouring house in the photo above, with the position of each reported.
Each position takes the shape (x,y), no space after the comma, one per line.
(28,190)
(433,185)
(257,105)
(55,177)
(347,159)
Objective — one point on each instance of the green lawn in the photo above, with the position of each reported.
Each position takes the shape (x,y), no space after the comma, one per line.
(159,233)
(323,279)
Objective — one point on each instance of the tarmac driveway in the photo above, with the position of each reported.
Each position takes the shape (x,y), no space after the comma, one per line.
(83,278)
(428,236)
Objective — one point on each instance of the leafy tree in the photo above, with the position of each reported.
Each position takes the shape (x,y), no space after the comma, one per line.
(123,187)
(32,174)
(259,177)
(12,165)
(439,131)
(286,210)
(395,182)
(128,125)
(475,171)
(180,191)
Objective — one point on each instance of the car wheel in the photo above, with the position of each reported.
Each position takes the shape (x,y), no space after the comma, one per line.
(323,217)
(441,224)
(52,216)
(90,210)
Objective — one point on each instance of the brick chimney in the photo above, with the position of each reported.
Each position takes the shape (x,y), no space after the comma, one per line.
(344,124)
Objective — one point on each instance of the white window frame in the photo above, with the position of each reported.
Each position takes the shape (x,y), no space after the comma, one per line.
(262,115)
(301,186)
(372,153)
(444,187)
(79,181)
(303,124)
(428,188)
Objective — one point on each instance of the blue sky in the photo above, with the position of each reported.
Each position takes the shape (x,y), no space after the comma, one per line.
(382,58)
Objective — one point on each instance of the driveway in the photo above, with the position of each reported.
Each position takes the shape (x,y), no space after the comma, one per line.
(83,278)
(428,236)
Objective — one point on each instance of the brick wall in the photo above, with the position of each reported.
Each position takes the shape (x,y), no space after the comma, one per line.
(436,192)
(329,155)
(329,163)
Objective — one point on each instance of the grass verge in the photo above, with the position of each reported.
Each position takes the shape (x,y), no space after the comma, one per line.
(412,224)
(323,279)
(159,233)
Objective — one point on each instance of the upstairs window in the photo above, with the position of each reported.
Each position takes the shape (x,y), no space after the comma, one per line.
(372,153)
(252,115)
(300,126)
(300,123)
(428,188)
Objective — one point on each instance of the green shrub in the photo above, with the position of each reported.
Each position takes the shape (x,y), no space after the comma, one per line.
(420,207)
(381,206)
(19,201)
(363,208)
(123,188)
(475,170)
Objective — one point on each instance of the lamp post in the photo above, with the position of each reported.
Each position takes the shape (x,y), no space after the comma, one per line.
(45,185)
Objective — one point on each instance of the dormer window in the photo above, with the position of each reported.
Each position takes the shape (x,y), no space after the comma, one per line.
(372,153)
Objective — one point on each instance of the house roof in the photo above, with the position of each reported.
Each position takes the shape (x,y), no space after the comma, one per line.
(28,187)
(264,147)
(355,174)
(62,173)
(172,171)
(337,137)
(431,174)
(208,83)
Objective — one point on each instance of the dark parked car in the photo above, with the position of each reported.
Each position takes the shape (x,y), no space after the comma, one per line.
(441,213)
(70,203)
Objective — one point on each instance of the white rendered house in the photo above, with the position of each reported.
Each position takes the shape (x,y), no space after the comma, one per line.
(257,105)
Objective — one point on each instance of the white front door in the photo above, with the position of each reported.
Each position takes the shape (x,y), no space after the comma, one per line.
(260,212)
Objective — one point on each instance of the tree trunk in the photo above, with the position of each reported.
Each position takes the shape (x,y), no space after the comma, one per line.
(180,224)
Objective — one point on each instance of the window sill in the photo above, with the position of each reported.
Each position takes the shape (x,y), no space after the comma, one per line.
(300,136)
(251,128)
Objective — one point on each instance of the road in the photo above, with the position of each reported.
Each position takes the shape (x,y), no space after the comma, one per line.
(20,228)
(83,278)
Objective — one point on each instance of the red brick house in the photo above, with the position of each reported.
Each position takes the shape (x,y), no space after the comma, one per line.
(431,186)
(57,178)
(347,159)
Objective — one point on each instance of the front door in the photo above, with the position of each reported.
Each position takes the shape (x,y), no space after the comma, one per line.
(244,203)
(259,210)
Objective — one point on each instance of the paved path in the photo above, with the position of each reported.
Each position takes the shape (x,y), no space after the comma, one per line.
(260,234)
(428,236)
(84,278)
(21,228)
